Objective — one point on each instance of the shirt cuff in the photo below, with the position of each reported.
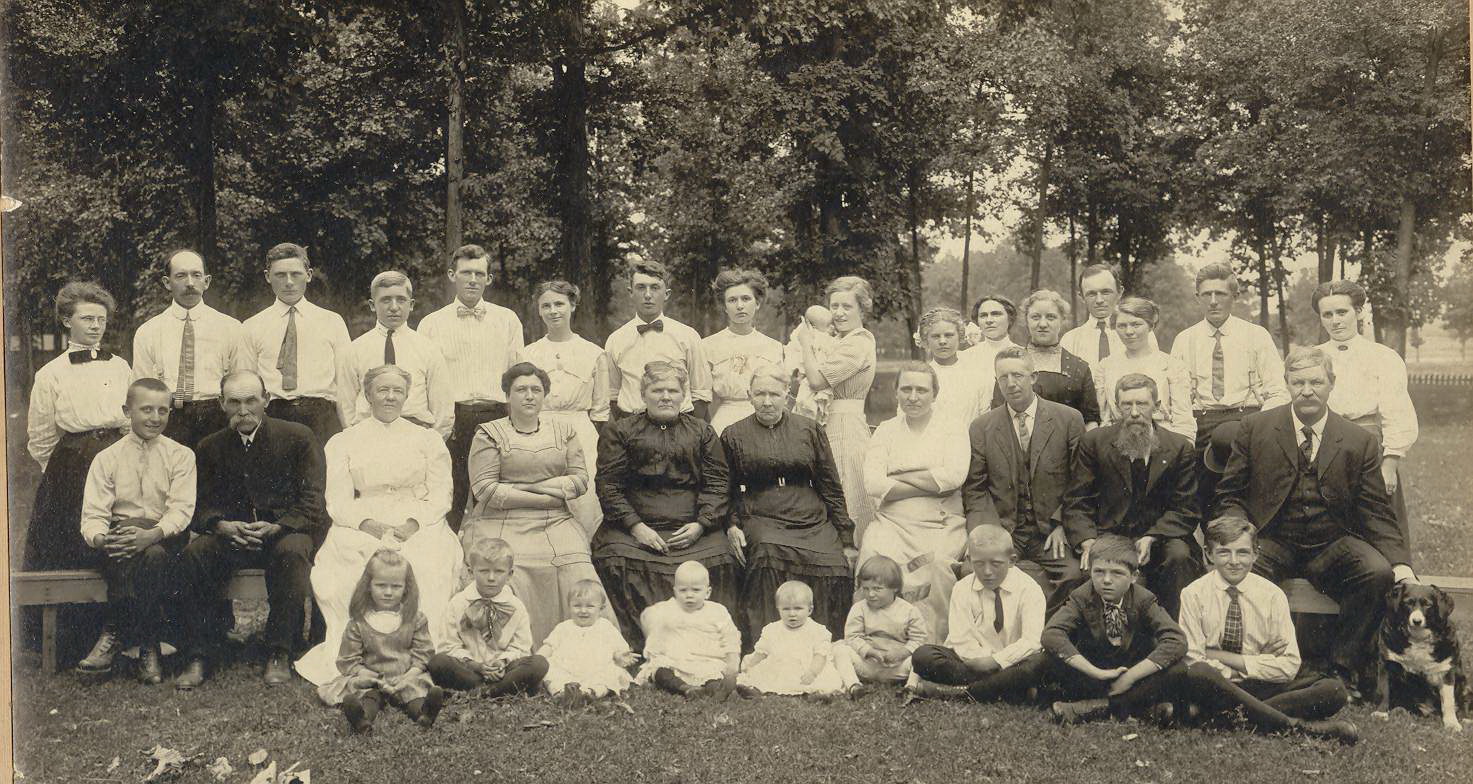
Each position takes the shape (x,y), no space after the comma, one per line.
(1401,572)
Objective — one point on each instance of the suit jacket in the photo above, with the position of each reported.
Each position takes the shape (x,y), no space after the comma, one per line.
(990,494)
(1101,496)
(1261,471)
(1078,627)
(280,479)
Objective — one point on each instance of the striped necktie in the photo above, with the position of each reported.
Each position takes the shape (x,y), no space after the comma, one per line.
(1104,339)
(184,391)
(286,360)
(1219,374)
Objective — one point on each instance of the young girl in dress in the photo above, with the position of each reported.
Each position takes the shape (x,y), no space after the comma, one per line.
(883,629)
(691,645)
(587,657)
(794,654)
(386,648)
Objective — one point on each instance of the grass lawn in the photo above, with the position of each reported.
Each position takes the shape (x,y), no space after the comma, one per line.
(72,733)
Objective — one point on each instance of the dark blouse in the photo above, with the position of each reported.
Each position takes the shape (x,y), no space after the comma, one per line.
(785,474)
(662,475)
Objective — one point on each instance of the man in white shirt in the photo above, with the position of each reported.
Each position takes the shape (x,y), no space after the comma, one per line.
(1094,340)
(139,499)
(391,342)
(297,347)
(1234,366)
(479,341)
(652,336)
(995,619)
(189,347)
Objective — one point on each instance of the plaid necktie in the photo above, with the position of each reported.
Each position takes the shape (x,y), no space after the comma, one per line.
(1219,380)
(184,391)
(1232,628)
(286,359)
(476,312)
(1115,622)
(1104,339)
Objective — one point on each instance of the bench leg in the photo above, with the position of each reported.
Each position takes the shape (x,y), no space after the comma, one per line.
(48,639)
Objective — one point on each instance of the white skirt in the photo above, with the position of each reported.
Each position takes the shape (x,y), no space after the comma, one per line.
(729,412)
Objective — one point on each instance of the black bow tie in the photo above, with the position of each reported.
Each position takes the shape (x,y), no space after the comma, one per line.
(87,355)
(656,325)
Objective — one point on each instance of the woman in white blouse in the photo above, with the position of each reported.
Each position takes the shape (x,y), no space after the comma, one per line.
(388,485)
(913,467)
(735,352)
(965,386)
(991,329)
(579,390)
(1135,321)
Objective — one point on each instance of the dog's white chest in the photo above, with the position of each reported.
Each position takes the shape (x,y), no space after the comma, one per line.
(1418,658)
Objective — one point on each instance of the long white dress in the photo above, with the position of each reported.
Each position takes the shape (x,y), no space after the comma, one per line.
(694,645)
(579,372)
(389,473)
(585,655)
(788,654)
(733,359)
(926,535)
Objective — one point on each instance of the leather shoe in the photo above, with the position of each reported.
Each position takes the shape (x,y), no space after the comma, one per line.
(192,676)
(1333,729)
(150,668)
(278,669)
(100,659)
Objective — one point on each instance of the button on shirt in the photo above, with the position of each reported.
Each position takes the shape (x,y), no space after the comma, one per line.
(630,351)
(477,350)
(152,479)
(217,348)
(1371,382)
(322,343)
(1266,621)
(970,619)
(1253,371)
(69,397)
(431,395)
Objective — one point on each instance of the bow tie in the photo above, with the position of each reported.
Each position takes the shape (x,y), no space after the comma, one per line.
(478,312)
(87,355)
(656,325)
(488,618)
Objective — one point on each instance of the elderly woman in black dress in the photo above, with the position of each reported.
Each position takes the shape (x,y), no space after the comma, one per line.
(662,482)
(787,509)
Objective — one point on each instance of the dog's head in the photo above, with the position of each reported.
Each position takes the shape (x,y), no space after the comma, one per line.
(1415,608)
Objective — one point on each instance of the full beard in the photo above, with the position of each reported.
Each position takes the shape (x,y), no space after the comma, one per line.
(1136,440)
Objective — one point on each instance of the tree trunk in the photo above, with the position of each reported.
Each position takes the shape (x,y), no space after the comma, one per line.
(1040,217)
(1283,307)
(202,168)
(1324,246)
(915,302)
(967,248)
(1073,265)
(1394,323)
(573,199)
(455,66)
(1263,287)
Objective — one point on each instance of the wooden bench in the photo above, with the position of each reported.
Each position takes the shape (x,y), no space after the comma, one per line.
(84,586)
(1304,598)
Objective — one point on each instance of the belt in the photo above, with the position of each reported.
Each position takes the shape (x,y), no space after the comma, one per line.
(96,432)
(301,401)
(1199,412)
(214,401)
(776,481)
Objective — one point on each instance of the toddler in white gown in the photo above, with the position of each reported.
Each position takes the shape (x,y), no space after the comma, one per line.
(794,654)
(587,658)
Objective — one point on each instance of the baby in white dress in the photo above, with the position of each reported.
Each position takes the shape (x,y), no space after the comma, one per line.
(814,405)
(794,654)
(691,645)
(587,657)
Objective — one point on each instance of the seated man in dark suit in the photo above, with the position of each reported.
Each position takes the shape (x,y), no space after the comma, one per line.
(1138,480)
(1310,480)
(1021,455)
(261,504)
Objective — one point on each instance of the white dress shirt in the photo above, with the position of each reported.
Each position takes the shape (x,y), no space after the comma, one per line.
(1253,370)
(75,398)
(1031,414)
(217,348)
(630,351)
(152,479)
(477,349)
(431,396)
(1084,341)
(984,354)
(1371,382)
(970,618)
(733,359)
(1173,389)
(1266,621)
(966,389)
(322,343)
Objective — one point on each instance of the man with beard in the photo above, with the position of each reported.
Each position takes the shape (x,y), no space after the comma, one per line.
(1138,480)
(1311,481)
(1058,375)
(261,504)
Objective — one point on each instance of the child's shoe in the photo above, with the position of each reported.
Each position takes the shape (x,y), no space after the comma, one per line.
(150,666)
(570,697)
(358,719)
(856,691)
(100,659)
(434,701)
(748,692)
(1080,711)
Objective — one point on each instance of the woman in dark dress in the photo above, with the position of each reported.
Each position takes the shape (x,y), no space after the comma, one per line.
(787,509)
(662,482)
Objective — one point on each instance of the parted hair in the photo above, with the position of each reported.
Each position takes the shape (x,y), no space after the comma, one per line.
(146,383)
(489,549)
(389,278)
(287,250)
(863,294)
(1014,352)
(917,366)
(1137,381)
(1140,307)
(642,266)
(79,291)
(1227,529)
(1218,270)
(1051,297)
(938,315)
(469,253)
(1309,356)
(569,290)
(1115,548)
(375,372)
(1007,307)
(1330,288)
(738,276)
(362,600)
(660,370)
(1097,269)
(883,570)
(525,369)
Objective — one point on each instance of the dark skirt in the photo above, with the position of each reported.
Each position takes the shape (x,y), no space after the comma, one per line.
(777,553)
(635,578)
(54,536)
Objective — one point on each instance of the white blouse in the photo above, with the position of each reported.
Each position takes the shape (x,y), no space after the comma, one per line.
(387,472)
(579,372)
(1371,381)
(733,358)
(75,398)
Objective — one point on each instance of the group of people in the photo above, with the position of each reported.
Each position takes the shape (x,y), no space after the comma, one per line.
(469,512)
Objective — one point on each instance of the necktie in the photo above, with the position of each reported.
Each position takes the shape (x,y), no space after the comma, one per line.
(1115,622)
(1219,382)
(1104,339)
(389,348)
(1024,437)
(656,325)
(997,611)
(1232,629)
(1306,447)
(286,360)
(87,355)
(185,388)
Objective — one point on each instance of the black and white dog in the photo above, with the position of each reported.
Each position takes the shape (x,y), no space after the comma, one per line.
(1421,665)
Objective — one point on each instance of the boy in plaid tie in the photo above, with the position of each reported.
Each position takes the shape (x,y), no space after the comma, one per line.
(487,638)
(1241,648)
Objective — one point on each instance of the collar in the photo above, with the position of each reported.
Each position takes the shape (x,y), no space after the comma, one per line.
(249,440)
(504,596)
(72,345)
(1211,330)
(398,331)
(1031,411)
(1054,349)
(1008,586)
(280,308)
(1102,323)
(139,442)
(782,417)
(638,321)
(1333,347)
(1221,585)
(1318,427)
(195,313)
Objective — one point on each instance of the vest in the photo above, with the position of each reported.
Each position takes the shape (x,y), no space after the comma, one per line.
(1025,516)
(1305,517)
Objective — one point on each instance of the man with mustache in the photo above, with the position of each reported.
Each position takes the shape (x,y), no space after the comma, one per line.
(1138,480)
(1059,375)
(260,504)
(189,347)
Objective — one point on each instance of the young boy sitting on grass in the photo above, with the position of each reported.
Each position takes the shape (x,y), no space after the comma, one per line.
(691,646)
(1241,647)
(995,620)
(486,641)
(1116,650)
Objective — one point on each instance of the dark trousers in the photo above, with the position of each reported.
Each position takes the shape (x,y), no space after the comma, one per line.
(1269,707)
(319,414)
(467,418)
(1056,576)
(940,664)
(137,589)
(1162,686)
(1207,421)
(1174,564)
(1348,570)
(197,419)
(522,675)
(206,567)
